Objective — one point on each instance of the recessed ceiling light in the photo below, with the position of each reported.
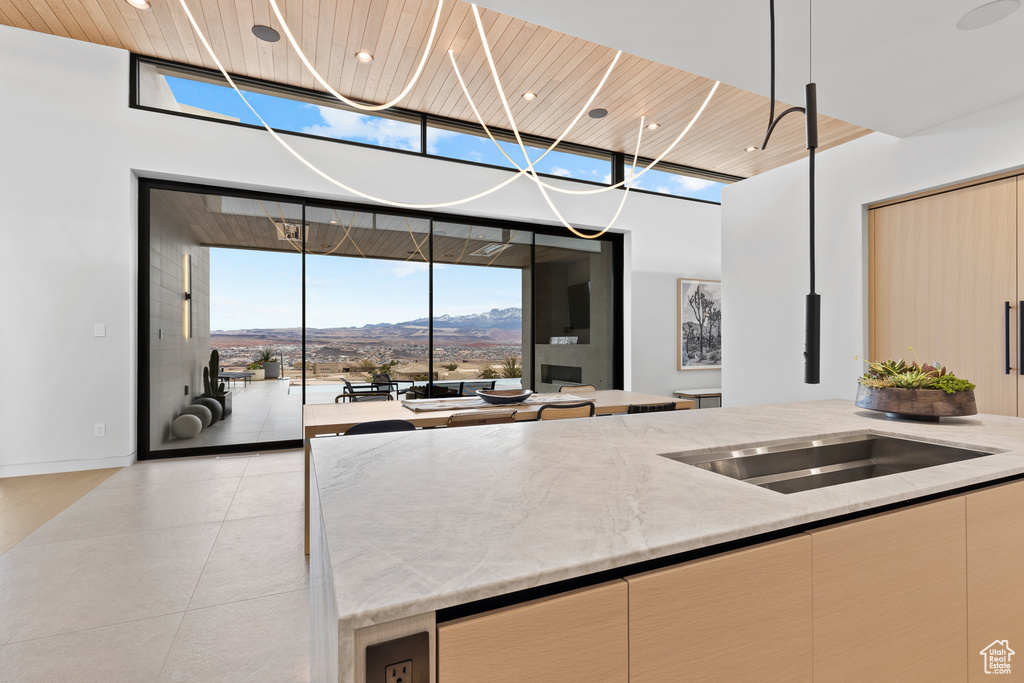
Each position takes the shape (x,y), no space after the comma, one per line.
(653,126)
(750,149)
(333,222)
(987,14)
(598,113)
(529,96)
(265,33)
(140,4)
(325,246)
(364,56)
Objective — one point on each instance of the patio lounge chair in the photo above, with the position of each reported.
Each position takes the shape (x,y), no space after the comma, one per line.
(354,394)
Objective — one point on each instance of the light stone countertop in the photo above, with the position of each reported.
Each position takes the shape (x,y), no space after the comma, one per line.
(418,521)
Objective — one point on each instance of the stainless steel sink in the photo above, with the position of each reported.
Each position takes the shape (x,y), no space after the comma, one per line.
(800,466)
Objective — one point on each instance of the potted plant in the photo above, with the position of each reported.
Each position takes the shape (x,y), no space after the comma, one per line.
(271,364)
(915,391)
(256,368)
(213,388)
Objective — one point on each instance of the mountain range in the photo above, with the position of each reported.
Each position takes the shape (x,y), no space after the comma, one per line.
(497,326)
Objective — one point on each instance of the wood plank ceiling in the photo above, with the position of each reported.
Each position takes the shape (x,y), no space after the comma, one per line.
(218,221)
(562,70)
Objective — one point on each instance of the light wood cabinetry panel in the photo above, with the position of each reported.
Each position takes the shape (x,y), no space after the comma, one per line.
(941,269)
(739,616)
(1020,287)
(995,574)
(890,595)
(577,636)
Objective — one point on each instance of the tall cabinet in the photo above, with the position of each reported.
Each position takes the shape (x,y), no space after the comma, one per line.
(946,276)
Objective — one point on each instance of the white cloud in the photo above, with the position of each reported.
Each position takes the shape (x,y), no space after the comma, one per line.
(559,171)
(693,184)
(348,125)
(404,268)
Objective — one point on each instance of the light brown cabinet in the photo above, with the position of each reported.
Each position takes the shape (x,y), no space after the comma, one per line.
(739,616)
(913,594)
(942,270)
(995,575)
(577,636)
(890,596)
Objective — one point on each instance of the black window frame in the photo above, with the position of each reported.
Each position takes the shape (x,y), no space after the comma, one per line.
(147,184)
(618,160)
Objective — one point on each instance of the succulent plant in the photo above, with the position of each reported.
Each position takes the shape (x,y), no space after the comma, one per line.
(210,375)
(916,375)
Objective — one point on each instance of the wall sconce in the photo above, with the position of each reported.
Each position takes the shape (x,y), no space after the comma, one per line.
(188,296)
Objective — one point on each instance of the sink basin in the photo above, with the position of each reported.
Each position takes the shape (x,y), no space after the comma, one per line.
(801,466)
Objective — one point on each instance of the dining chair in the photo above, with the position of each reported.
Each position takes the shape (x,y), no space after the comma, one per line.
(380,427)
(564,411)
(470,388)
(652,408)
(573,388)
(481,417)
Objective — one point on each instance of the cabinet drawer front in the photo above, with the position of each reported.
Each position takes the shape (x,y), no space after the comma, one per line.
(739,616)
(890,595)
(995,574)
(576,636)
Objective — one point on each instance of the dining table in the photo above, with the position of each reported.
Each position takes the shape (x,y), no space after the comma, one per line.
(334,419)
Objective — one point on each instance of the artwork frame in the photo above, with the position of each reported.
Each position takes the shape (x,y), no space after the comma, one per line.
(704,314)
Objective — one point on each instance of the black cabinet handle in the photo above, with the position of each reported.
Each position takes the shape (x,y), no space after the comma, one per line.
(1020,337)
(1006,336)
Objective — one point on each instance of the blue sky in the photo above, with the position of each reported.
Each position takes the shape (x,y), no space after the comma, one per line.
(292,115)
(263,289)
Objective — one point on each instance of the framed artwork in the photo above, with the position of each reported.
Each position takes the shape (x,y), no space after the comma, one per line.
(699,324)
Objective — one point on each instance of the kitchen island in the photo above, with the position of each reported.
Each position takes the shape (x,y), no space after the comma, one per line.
(407,525)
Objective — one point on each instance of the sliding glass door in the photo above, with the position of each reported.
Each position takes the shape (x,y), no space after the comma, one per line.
(255,305)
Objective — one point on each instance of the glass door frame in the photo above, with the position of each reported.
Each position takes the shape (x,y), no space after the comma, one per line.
(143,359)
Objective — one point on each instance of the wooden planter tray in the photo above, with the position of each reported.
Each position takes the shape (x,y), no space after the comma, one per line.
(917,404)
(420,405)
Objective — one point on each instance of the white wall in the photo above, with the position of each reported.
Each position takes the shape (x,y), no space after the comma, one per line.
(73,151)
(764,248)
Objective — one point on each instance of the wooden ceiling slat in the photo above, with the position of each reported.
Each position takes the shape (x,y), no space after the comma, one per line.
(354,43)
(324,38)
(390,44)
(370,37)
(83,19)
(563,70)
(13,16)
(243,10)
(388,59)
(579,86)
(43,18)
(469,55)
(478,74)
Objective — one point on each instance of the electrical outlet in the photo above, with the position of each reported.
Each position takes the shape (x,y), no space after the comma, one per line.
(399,673)
(99,429)
(410,656)
(99,330)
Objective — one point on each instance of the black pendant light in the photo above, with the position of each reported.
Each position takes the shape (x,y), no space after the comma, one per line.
(812,331)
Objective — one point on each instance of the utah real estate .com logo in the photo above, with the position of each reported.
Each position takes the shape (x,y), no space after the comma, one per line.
(997,657)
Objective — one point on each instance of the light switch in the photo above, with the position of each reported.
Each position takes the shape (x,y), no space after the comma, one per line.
(100,330)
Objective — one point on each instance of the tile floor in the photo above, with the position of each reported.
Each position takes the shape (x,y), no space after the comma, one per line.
(170,570)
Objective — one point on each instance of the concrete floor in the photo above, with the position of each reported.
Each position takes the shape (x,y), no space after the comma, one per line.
(260,412)
(170,570)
